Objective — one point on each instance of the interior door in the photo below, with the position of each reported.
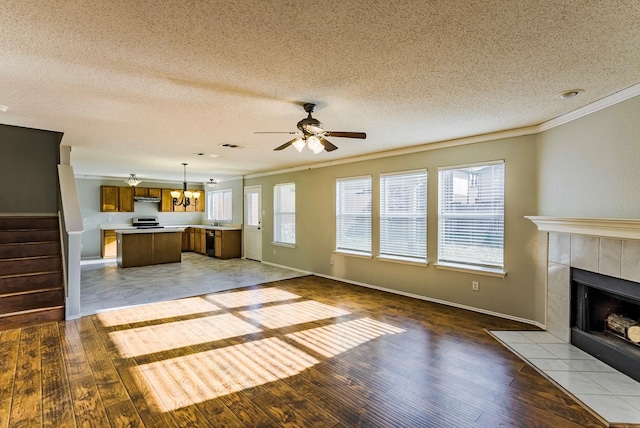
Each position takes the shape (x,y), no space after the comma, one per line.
(253,223)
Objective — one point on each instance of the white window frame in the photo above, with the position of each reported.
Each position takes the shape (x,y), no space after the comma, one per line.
(477,256)
(358,220)
(403,217)
(223,196)
(283,234)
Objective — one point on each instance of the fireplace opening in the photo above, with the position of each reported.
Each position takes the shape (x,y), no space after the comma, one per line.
(605,319)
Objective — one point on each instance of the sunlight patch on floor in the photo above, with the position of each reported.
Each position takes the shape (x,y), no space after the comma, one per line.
(293,313)
(184,381)
(163,337)
(238,299)
(155,311)
(335,339)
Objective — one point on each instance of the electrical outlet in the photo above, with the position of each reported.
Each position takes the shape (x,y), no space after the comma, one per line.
(274,251)
(475,286)
(331,261)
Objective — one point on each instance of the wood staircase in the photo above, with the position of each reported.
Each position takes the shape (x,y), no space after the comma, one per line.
(31,283)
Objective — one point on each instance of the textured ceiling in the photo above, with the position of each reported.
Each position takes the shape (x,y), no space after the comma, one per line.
(140,86)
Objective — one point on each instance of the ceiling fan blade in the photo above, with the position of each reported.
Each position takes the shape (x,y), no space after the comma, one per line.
(360,135)
(285,145)
(284,132)
(328,146)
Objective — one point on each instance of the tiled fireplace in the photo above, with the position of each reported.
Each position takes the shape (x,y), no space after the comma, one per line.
(589,248)
(613,250)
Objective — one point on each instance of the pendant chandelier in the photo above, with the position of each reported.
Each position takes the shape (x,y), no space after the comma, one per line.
(132,181)
(188,198)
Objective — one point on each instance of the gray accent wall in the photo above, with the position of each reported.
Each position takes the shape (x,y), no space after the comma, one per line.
(28,166)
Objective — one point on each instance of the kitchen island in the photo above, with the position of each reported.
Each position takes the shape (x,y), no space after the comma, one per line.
(143,247)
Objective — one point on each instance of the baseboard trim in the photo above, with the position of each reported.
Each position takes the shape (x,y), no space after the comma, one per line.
(442,302)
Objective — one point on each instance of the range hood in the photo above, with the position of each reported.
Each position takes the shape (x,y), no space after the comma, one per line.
(146,199)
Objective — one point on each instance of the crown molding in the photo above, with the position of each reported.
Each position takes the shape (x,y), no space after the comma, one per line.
(595,106)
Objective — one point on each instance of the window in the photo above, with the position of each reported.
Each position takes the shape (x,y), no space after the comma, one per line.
(284,213)
(471,215)
(219,205)
(403,215)
(353,215)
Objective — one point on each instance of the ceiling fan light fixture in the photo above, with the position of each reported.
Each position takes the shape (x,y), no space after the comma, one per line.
(314,144)
(299,144)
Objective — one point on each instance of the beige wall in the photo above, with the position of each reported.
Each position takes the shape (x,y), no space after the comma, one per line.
(590,167)
(520,294)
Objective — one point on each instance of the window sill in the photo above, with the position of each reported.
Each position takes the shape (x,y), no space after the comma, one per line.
(283,244)
(353,254)
(403,260)
(498,273)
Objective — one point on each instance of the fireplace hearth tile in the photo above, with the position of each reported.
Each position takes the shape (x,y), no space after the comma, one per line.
(577,383)
(591,365)
(616,383)
(612,395)
(566,351)
(531,350)
(541,337)
(612,408)
(559,248)
(551,364)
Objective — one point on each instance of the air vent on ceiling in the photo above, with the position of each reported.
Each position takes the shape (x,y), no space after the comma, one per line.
(229,146)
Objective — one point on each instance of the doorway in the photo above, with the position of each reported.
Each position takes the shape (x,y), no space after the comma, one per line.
(253,223)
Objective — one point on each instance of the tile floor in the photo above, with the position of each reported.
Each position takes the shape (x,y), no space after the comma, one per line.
(105,286)
(609,393)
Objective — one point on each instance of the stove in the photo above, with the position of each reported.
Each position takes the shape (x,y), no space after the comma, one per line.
(146,223)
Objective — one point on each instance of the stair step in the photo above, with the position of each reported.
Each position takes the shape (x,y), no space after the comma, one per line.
(29,249)
(14,236)
(31,317)
(28,222)
(32,300)
(30,282)
(26,265)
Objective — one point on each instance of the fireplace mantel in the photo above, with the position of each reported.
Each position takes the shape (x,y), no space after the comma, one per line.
(604,227)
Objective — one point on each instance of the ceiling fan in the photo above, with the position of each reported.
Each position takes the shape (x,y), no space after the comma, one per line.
(311,133)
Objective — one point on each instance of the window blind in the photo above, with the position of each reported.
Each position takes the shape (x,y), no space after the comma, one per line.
(403,215)
(353,214)
(284,213)
(219,205)
(471,215)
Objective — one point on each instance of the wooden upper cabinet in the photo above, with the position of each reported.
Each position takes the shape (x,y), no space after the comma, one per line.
(147,192)
(116,199)
(166,201)
(125,199)
(109,199)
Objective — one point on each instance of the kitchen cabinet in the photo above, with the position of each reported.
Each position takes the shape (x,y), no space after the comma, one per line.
(147,192)
(186,240)
(228,244)
(116,199)
(108,244)
(166,204)
(200,244)
(136,248)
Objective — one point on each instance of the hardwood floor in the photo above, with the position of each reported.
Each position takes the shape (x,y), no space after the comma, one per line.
(308,352)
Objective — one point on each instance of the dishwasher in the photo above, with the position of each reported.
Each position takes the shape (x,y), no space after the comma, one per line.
(210,243)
